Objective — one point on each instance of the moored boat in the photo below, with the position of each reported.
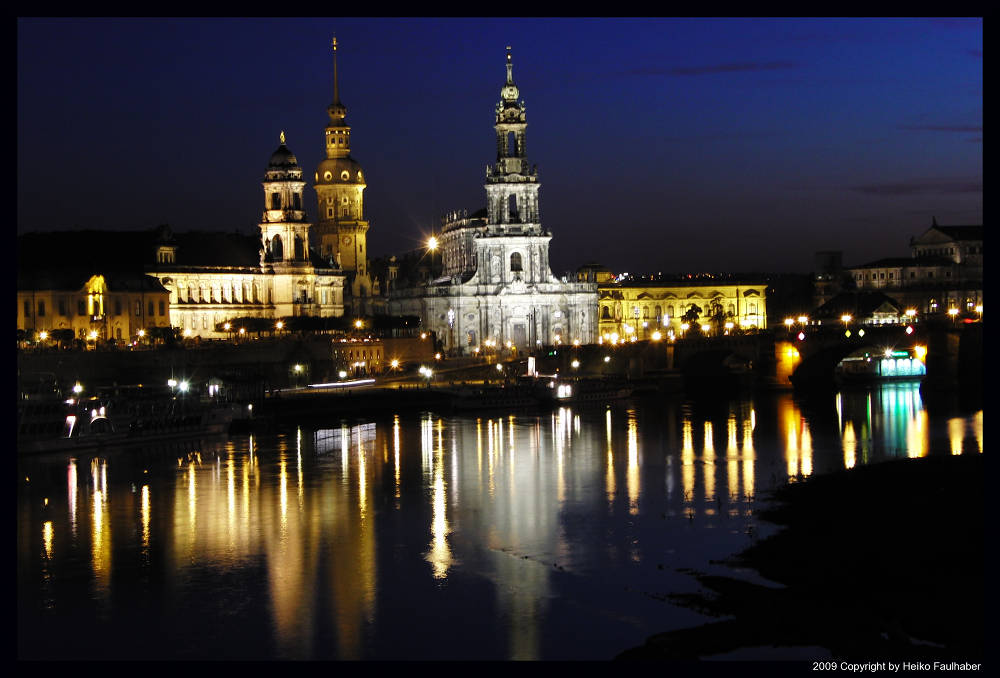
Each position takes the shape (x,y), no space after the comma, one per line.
(80,424)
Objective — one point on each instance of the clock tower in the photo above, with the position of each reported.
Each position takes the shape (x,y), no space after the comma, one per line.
(341,228)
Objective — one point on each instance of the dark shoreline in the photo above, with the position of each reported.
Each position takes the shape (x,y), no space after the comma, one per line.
(881,562)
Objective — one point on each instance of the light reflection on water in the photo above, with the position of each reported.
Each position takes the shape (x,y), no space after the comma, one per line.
(505,536)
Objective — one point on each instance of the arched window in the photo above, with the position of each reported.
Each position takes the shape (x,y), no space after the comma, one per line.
(277,251)
(605,313)
(515,261)
(276,201)
(511,145)
(659,312)
(512,210)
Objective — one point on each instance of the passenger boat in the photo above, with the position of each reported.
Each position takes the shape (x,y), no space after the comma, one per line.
(561,392)
(55,424)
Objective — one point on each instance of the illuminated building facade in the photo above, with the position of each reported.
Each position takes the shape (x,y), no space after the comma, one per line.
(944,271)
(113,306)
(638,309)
(215,277)
(341,229)
(197,280)
(496,285)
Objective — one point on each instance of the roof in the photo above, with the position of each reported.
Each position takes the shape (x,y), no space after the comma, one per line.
(859,304)
(902,262)
(962,232)
(69,253)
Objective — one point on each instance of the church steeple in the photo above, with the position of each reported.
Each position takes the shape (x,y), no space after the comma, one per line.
(511,183)
(336,110)
(340,186)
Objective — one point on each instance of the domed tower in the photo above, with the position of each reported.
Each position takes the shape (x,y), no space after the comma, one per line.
(283,229)
(340,184)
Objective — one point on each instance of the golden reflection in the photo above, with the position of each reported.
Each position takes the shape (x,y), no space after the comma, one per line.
(427,446)
(687,461)
(708,462)
(956,434)
(632,479)
(192,500)
(47,538)
(850,445)
(798,440)
(732,458)
(144,514)
(489,447)
(362,479)
(916,435)
(100,544)
(977,429)
(71,491)
(395,451)
(439,553)
(298,465)
(748,456)
(231,488)
(345,443)
(609,479)
(283,491)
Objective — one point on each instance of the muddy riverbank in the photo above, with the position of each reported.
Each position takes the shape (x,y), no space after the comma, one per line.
(881,562)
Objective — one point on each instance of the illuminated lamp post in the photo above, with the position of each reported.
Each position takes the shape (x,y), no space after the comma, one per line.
(979,310)
(953,312)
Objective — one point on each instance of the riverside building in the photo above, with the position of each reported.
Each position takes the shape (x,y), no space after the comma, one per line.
(496,288)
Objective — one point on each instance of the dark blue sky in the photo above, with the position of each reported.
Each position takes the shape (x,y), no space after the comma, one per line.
(662,144)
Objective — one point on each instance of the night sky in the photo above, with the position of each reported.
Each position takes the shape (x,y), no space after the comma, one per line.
(674,145)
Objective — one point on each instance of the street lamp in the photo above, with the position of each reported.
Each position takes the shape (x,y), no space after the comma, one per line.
(953,312)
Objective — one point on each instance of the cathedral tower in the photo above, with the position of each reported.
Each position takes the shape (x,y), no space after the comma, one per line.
(340,184)
(511,185)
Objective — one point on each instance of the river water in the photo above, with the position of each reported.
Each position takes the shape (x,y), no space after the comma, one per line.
(418,536)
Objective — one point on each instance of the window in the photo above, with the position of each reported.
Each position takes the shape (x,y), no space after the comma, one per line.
(27,308)
(645,312)
(41,308)
(81,307)
(515,261)
(276,201)
(329,212)
(118,306)
(150,307)
(62,307)
(890,276)
(297,201)
(138,308)
(162,307)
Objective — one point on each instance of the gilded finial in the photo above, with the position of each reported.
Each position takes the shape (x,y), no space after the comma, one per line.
(334,43)
(282,137)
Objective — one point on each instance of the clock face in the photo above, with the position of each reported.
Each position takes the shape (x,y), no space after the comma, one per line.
(346,240)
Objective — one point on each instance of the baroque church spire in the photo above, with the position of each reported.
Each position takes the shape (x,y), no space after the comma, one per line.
(336,110)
